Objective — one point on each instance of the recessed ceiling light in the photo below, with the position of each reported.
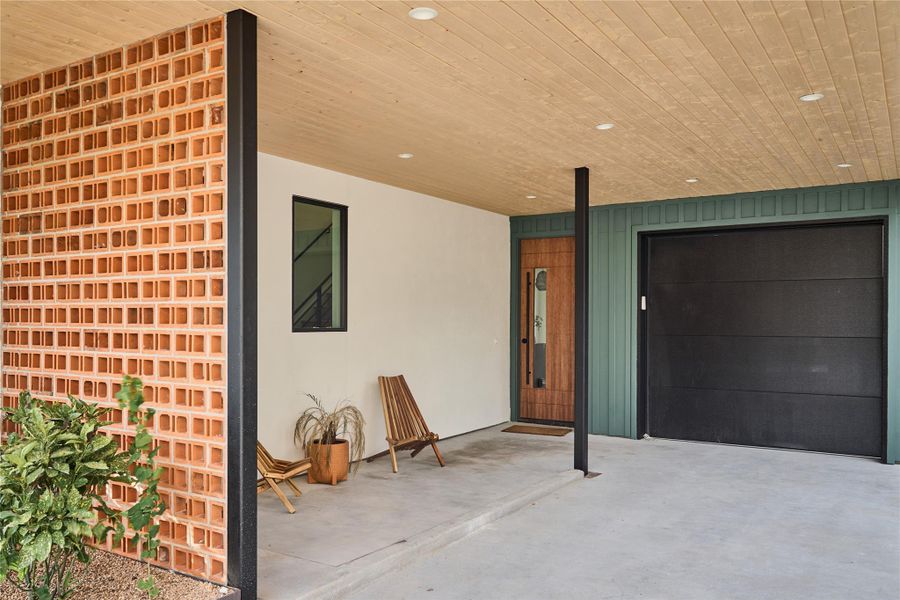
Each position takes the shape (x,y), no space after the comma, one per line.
(813,97)
(844,165)
(692,180)
(405,155)
(531,196)
(604,126)
(423,13)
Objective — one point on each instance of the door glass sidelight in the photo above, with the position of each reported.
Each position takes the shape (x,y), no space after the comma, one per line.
(540,327)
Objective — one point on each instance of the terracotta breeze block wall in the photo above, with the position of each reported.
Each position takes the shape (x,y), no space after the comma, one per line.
(113,259)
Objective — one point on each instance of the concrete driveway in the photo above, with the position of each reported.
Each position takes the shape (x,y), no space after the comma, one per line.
(679,520)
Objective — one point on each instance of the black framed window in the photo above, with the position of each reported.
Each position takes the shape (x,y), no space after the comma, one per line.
(319,271)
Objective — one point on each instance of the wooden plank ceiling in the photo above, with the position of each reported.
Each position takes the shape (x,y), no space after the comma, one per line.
(498,100)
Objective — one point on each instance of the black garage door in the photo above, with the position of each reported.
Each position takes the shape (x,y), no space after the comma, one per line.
(766,337)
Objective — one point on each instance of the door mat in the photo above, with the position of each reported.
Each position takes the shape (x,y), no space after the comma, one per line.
(538,430)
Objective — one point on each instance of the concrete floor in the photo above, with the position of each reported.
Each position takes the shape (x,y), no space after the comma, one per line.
(373,514)
(679,520)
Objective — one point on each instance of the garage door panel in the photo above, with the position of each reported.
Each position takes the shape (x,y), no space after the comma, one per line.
(833,366)
(767,337)
(840,424)
(761,255)
(785,308)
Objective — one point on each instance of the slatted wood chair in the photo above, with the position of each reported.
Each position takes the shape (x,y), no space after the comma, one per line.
(274,471)
(406,428)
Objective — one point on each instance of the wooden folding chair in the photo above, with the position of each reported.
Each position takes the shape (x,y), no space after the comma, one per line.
(406,428)
(274,471)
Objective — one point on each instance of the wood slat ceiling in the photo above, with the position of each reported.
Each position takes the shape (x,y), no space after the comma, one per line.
(498,100)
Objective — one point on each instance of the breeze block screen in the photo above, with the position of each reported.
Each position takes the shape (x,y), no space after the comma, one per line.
(113,259)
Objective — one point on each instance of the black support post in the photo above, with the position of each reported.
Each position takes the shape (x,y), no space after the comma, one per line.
(582,180)
(240,29)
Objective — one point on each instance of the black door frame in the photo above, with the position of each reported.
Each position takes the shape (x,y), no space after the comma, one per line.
(643,260)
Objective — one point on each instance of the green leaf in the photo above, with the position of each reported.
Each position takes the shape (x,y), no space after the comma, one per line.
(148,584)
(15,458)
(100,442)
(142,440)
(26,556)
(34,475)
(99,531)
(52,473)
(42,546)
(27,448)
(46,501)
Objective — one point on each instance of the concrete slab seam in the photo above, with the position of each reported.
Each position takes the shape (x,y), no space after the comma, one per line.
(358,573)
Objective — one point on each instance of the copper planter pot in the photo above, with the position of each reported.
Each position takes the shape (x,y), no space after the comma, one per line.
(330,462)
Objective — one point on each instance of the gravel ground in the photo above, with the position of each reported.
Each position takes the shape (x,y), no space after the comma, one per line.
(112,577)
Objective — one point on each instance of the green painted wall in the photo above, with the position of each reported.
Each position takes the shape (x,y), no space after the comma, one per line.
(614,231)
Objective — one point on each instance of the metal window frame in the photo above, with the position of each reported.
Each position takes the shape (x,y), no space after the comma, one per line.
(343,210)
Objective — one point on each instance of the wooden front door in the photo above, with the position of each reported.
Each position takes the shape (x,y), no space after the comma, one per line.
(547,329)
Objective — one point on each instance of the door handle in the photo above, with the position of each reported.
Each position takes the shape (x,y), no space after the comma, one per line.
(529,324)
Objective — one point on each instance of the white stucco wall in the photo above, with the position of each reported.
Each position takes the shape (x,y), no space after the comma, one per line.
(428,285)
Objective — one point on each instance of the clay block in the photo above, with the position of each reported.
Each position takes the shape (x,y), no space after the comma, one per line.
(112,260)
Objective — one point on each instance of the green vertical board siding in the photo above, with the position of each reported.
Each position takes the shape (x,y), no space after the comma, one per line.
(613,285)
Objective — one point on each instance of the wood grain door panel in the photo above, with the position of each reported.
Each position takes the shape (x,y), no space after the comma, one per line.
(555,400)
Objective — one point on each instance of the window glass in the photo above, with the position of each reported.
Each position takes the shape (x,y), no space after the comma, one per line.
(319,266)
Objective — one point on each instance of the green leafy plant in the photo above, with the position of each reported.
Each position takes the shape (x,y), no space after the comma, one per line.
(317,427)
(54,475)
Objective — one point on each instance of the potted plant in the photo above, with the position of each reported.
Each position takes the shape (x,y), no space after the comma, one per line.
(324,434)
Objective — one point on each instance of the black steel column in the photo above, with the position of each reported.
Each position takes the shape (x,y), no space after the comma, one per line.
(582,180)
(240,48)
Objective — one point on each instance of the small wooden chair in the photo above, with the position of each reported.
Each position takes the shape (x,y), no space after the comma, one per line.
(406,428)
(274,471)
